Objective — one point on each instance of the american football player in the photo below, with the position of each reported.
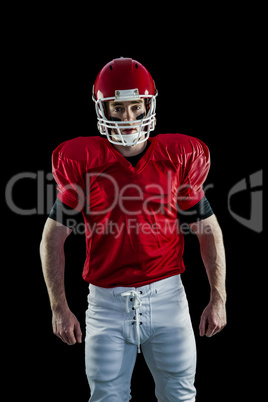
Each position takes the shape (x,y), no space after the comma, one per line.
(135,193)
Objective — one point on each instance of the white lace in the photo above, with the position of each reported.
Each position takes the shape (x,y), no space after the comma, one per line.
(137,303)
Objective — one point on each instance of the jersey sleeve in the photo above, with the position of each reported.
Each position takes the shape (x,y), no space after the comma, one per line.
(197,164)
(68,173)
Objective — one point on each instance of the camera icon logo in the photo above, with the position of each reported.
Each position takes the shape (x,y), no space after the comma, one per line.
(254,185)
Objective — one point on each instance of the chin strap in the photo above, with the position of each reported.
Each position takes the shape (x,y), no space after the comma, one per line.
(129,139)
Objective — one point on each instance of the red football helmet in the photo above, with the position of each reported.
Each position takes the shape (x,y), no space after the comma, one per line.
(125,80)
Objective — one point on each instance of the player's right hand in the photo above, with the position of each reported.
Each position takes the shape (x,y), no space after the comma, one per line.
(66,327)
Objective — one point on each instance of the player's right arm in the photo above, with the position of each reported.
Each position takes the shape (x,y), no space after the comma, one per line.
(65,324)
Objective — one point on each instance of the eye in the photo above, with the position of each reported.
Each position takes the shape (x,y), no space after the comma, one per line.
(118,109)
(137,107)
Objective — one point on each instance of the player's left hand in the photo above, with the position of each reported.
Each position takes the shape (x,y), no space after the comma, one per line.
(213,319)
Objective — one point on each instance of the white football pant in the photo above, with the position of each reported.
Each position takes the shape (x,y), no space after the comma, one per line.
(155,318)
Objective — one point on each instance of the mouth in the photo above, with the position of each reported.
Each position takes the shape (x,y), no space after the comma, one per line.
(129,131)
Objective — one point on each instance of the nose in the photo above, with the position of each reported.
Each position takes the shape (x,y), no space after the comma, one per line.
(128,115)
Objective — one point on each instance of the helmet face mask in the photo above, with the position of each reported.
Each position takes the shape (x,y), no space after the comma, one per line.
(112,128)
(114,80)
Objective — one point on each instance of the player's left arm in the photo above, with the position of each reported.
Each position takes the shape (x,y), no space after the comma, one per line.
(209,234)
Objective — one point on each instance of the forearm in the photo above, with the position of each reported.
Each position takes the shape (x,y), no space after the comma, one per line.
(65,324)
(213,255)
(53,263)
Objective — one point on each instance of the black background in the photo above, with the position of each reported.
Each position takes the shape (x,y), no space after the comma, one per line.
(207,75)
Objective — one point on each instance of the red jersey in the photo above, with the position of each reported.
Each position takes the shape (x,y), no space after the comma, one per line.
(132,233)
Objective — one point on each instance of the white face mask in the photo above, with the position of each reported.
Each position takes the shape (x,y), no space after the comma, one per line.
(112,129)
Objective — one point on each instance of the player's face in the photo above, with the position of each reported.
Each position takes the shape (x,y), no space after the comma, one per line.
(126,111)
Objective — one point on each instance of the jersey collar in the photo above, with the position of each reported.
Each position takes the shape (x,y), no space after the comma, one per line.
(142,162)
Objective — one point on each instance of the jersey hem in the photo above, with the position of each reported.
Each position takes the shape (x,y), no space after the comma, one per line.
(136,284)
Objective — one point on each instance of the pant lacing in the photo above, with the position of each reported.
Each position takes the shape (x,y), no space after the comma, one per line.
(133,295)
